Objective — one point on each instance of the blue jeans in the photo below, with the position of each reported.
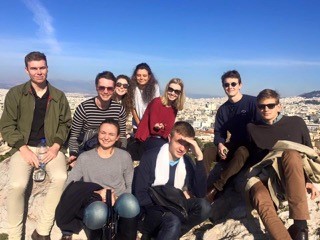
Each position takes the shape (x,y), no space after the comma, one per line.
(163,224)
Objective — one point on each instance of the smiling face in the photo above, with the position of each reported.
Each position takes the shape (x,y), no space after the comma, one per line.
(142,77)
(121,87)
(108,135)
(37,71)
(105,89)
(232,87)
(173,92)
(177,146)
(269,109)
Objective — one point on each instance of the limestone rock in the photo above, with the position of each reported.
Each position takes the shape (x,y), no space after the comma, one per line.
(230,220)
(36,191)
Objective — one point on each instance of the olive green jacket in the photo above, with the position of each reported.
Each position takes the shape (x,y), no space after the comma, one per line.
(17,116)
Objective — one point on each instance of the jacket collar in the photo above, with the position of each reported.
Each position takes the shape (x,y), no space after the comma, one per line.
(52,91)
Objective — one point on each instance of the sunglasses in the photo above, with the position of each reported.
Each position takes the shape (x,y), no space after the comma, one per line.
(102,89)
(124,85)
(176,91)
(233,84)
(269,106)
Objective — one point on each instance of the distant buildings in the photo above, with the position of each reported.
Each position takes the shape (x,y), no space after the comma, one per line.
(200,113)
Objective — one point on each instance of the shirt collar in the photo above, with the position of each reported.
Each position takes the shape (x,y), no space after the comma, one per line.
(274,121)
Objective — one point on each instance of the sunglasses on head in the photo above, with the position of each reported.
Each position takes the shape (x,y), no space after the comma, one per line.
(269,106)
(102,89)
(176,91)
(233,84)
(124,85)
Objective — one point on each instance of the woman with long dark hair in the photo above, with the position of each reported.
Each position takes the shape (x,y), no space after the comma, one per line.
(144,88)
(120,94)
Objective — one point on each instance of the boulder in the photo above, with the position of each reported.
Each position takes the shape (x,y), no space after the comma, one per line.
(229,220)
(36,192)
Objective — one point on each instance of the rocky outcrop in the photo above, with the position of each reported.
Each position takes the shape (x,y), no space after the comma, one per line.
(36,193)
(229,219)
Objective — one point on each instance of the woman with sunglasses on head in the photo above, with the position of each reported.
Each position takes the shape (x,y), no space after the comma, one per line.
(160,115)
(144,88)
(90,113)
(120,94)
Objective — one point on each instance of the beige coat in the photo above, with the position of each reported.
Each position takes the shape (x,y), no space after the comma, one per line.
(268,170)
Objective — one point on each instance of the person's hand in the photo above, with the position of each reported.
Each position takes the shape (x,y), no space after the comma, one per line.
(29,156)
(159,126)
(186,194)
(312,190)
(194,147)
(103,194)
(72,161)
(222,151)
(52,153)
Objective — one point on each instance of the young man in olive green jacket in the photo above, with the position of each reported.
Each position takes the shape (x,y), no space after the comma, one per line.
(33,111)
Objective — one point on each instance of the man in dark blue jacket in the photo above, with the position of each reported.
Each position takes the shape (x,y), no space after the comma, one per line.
(232,117)
(171,167)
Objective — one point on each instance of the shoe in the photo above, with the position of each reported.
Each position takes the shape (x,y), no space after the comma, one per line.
(297,233)
(36,236)
(211,195)
(66,237)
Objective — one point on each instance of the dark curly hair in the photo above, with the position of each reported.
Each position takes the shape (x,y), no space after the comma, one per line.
(126,103)
(149,89)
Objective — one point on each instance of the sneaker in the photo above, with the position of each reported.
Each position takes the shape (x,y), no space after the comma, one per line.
(36,236)
(66,237)
(211,194)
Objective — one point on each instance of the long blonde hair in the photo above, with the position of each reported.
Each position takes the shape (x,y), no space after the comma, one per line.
(179,102)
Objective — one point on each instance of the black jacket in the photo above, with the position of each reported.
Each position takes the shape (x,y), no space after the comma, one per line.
(144,176)
(76,196)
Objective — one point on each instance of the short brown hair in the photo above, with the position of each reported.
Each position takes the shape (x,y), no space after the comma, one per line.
(107,75)
(231,74)
(183,128)
(34,56)
(268,93)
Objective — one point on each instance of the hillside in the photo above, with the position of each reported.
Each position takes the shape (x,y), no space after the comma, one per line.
(310,94)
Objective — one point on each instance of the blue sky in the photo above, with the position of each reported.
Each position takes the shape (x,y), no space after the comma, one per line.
(273,44)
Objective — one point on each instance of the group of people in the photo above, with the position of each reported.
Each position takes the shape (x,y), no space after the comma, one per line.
(250,133)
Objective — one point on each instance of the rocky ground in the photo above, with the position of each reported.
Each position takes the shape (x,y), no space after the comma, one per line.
(229,220)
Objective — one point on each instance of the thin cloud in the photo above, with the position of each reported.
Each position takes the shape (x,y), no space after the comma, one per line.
(273,62)
(44,20)
(244,62)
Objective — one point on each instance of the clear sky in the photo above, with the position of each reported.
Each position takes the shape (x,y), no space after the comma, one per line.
(273,44)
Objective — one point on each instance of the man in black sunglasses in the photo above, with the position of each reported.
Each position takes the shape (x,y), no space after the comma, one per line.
(91,113)
(284,169)
(231,119)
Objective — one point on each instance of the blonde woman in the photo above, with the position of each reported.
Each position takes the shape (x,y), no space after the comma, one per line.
(160,115)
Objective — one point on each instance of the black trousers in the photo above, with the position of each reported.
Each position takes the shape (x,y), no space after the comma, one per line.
(126,230)
(162,224)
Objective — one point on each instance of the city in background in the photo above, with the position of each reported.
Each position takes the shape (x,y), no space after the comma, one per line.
(200,113)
